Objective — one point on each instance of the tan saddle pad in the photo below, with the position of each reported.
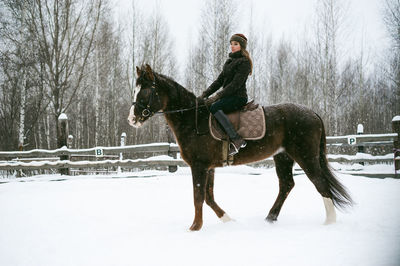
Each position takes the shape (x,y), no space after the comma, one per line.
(249,123)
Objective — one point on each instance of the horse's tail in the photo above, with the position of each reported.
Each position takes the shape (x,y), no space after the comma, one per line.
(339,195)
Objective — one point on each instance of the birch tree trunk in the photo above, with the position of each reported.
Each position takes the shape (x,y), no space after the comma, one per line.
(96,98)
(21,131)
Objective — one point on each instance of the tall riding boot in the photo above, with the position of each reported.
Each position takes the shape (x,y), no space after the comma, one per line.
(236,140)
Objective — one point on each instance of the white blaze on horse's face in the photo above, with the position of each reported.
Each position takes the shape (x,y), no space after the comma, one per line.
(132,118)
(136,92)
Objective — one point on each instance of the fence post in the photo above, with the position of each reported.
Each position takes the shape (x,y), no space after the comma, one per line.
(63,141)
(171,139)
(70,140)
(172,168)
(396,143)
(123,138)
(360,148)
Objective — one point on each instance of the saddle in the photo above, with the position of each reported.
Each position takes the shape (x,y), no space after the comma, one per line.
(249,123)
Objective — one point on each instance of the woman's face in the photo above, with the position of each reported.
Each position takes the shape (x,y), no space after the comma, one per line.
(235,46)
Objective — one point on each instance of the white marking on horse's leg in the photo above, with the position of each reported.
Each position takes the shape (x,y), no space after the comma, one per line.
(225,218)
(330,211)
(279,150)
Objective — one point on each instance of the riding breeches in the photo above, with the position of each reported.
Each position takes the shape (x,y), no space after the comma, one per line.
(228,104)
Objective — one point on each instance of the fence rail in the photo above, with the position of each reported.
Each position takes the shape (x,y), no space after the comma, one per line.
(362,140)
(154,147)
(48,159)
(43,165)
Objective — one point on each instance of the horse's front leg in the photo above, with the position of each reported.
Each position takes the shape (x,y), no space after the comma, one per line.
(210,197)
(199,176)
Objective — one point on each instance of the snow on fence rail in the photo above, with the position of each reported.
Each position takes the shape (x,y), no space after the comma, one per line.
(41,165)
(44,161)
(153,147)
(362,140)
(61,158)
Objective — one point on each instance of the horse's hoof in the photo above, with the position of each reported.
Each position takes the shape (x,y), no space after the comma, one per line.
(225,218)
(195,227)
(271,218)
(329,221)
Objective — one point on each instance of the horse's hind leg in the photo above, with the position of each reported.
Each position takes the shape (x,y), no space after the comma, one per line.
(210,197)
(284,170)
(314,172)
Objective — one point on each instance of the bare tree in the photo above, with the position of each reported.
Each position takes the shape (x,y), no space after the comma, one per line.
(150,42)
(196,78)
(392,21)
(18,62)
(330,19)
(64,32)
(156,45)
(283,72)
(264,65)
(212,46)
(255,52)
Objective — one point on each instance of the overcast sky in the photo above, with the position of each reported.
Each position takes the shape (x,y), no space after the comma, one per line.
(288,18)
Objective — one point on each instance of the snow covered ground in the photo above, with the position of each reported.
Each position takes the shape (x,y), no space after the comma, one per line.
(99,220)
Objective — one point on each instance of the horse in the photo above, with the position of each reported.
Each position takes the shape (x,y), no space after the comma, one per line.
(294,133)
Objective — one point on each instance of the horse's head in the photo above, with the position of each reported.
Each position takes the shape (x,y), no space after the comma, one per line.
(147,99)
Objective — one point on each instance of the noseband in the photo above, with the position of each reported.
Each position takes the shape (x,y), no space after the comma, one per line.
(146,109)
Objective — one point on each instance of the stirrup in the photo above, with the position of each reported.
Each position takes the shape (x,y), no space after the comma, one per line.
(234,150)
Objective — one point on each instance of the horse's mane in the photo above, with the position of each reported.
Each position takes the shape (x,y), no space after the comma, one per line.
(181,91)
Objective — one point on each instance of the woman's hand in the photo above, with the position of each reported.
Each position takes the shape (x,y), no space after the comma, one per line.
(211,100)
(202,98)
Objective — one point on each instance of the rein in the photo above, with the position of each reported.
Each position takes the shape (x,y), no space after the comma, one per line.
(148,113)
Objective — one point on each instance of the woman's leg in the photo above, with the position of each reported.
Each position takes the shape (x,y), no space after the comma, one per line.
(225,105)
(228,104)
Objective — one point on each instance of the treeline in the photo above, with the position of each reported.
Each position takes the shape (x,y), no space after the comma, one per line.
(72,57)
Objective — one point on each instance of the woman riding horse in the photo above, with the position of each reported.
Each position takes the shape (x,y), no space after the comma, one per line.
(233,95)
(294,133)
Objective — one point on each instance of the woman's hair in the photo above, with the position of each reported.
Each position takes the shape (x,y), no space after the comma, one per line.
(246,54)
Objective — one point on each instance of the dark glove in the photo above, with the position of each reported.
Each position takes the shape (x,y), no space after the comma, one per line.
(211,100)
(202,98)
(204,95)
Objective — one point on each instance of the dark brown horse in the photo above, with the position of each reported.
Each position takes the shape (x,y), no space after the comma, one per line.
(294,133)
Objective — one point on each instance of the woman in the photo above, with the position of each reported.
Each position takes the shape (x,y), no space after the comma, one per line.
(233,96)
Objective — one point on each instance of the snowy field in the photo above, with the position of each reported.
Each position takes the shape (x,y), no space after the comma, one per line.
(97,220)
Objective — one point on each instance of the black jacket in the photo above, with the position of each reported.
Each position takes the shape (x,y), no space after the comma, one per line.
(232,78)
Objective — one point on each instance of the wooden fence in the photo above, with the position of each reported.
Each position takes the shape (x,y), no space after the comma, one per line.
(49,159)
(112,157)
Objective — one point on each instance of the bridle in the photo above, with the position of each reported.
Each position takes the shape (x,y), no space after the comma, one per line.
(146,108)
(148,113)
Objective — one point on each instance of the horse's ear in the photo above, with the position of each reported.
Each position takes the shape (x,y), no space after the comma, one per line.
(149,72)
(138,71)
